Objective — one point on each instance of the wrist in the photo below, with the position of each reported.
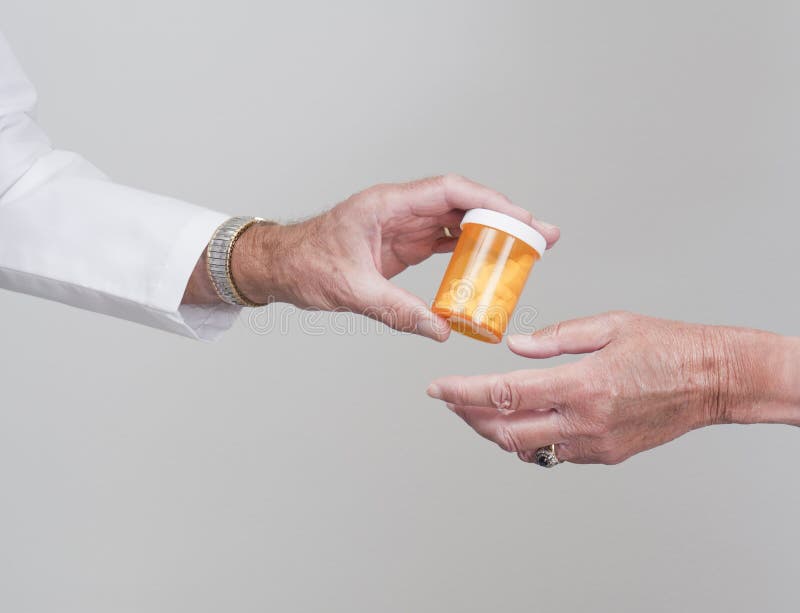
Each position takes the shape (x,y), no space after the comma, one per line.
(758,377)
(780,401)
(268,264)
(253,263)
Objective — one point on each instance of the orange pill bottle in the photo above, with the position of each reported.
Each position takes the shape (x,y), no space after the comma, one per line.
(486,274)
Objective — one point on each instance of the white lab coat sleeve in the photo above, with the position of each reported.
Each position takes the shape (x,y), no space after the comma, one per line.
(69,234)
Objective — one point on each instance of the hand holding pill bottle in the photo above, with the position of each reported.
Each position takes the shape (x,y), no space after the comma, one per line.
(486,274)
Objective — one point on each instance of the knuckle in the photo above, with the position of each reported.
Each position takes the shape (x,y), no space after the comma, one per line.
(452,178)
(620,316)
(504,198)
(573,425)
(583,391)
(459,392)
(376,196)
(502,395)
(526,456)
(551,331)
(507,439)
(575,452)
(377,190)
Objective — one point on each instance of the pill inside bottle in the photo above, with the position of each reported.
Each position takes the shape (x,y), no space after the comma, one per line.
(487,273)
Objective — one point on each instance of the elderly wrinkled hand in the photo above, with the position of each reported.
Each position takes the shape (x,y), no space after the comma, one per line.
(645,382)
(344,258)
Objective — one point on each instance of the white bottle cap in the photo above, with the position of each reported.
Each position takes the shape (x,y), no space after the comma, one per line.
(507,224)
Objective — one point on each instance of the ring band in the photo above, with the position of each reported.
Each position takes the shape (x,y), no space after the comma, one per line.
(546,456)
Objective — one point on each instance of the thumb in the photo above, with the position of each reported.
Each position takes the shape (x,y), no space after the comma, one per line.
(582,335)
(403,311)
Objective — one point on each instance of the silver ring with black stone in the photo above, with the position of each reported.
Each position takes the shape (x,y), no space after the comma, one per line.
(546,456)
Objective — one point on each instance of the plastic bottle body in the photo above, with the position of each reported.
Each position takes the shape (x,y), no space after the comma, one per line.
(483,282)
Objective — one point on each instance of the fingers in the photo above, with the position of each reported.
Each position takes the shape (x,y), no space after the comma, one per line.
(438,195)
(451,220)
(445,245)
(465,194)
(447,229)
(583,335)
(441,196)
(519,432)
(546,407)
(550,232)
(403,311)
(524,389)
(461,193)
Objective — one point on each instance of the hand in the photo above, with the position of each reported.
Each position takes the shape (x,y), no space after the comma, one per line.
(646,382)
(343,258)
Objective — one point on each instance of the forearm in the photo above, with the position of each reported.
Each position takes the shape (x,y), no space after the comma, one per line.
(68,233)
(761,377)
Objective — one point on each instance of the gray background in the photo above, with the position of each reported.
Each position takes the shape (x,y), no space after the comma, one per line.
(302,472)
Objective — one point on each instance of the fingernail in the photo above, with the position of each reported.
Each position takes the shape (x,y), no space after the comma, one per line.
(450,406)
(434,391)
(521,340)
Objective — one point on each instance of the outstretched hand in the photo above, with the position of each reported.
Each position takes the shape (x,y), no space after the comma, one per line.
(645,382)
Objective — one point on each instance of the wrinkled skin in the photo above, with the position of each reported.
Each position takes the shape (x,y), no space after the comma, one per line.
(344,258)
(644,382)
